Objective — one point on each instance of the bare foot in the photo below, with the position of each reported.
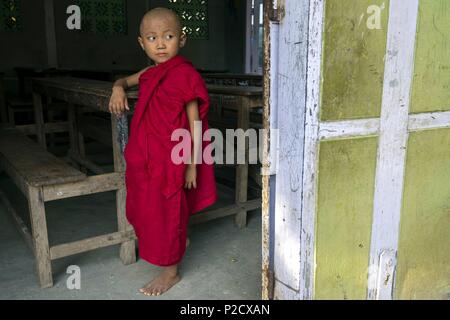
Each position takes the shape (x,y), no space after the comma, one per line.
(168,278)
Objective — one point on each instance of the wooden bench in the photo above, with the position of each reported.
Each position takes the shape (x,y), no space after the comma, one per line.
(43,177)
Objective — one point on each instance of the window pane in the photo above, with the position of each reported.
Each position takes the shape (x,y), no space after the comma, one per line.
(194,17)
(10,15)
(103,16)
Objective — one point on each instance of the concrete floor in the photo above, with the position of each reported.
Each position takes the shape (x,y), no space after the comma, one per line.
(222,261)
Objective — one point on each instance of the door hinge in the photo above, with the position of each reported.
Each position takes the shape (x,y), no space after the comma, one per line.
(271,287)
(276,10)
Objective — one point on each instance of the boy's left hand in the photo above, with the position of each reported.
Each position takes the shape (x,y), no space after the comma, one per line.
(191,177)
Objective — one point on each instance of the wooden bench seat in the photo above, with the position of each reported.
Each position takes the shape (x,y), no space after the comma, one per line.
(32,163)
(43,177)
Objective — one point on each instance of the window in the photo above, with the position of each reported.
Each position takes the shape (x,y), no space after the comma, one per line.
(103,16)
(255,33)
(194,17)
(10,15)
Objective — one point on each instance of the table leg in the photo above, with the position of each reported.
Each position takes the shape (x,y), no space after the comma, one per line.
(74,150)
(128,248)
(81,145)
(242,169)
(51,118)
(39,119)
(73,128)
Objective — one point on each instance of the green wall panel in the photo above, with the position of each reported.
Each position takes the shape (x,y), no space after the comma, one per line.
(344,217)
(424,243)
(353,60)
(431,86)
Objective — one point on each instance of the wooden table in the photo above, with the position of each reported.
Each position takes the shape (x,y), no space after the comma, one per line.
(245,98)
(26,73)
(233,79)
(96,94)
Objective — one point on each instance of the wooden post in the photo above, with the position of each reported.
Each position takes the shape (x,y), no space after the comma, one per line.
(40,236)
(39,119)
(242,169)
(128,248)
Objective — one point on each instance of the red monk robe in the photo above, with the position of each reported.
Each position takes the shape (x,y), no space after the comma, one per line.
(157,205)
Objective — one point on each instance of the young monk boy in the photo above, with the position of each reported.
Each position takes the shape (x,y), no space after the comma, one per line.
(161,194)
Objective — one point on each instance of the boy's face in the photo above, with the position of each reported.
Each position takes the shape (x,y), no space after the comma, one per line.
(161,38)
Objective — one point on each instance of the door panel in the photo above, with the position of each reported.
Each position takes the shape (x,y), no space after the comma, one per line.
(371,216)
(424,246)
(344,217)
(431,89)
(353,60)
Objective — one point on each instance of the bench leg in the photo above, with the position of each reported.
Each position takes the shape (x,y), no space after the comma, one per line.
(40,237)
(128,248)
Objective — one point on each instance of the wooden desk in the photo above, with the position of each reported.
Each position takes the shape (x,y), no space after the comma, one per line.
(96,94)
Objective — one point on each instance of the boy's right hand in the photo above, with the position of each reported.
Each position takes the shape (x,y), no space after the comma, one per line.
(118,102)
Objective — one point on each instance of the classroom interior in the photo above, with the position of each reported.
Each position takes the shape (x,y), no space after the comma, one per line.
(54,84)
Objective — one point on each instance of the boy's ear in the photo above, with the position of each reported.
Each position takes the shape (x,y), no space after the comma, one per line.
(141,43)
(183,39)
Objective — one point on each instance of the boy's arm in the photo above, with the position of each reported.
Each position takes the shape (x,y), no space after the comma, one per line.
(118,101)
(129,81)
(193,116)
(196,134)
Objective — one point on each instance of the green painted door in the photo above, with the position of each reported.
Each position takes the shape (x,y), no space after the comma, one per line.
(356,66)
(361,201)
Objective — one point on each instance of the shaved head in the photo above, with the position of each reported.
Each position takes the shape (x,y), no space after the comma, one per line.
(161,36)
(162,14)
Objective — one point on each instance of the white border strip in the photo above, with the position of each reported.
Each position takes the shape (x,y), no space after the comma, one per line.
(331,130)
(311,150)
(434,120)
(393,139)
(291,101)
(348,129)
